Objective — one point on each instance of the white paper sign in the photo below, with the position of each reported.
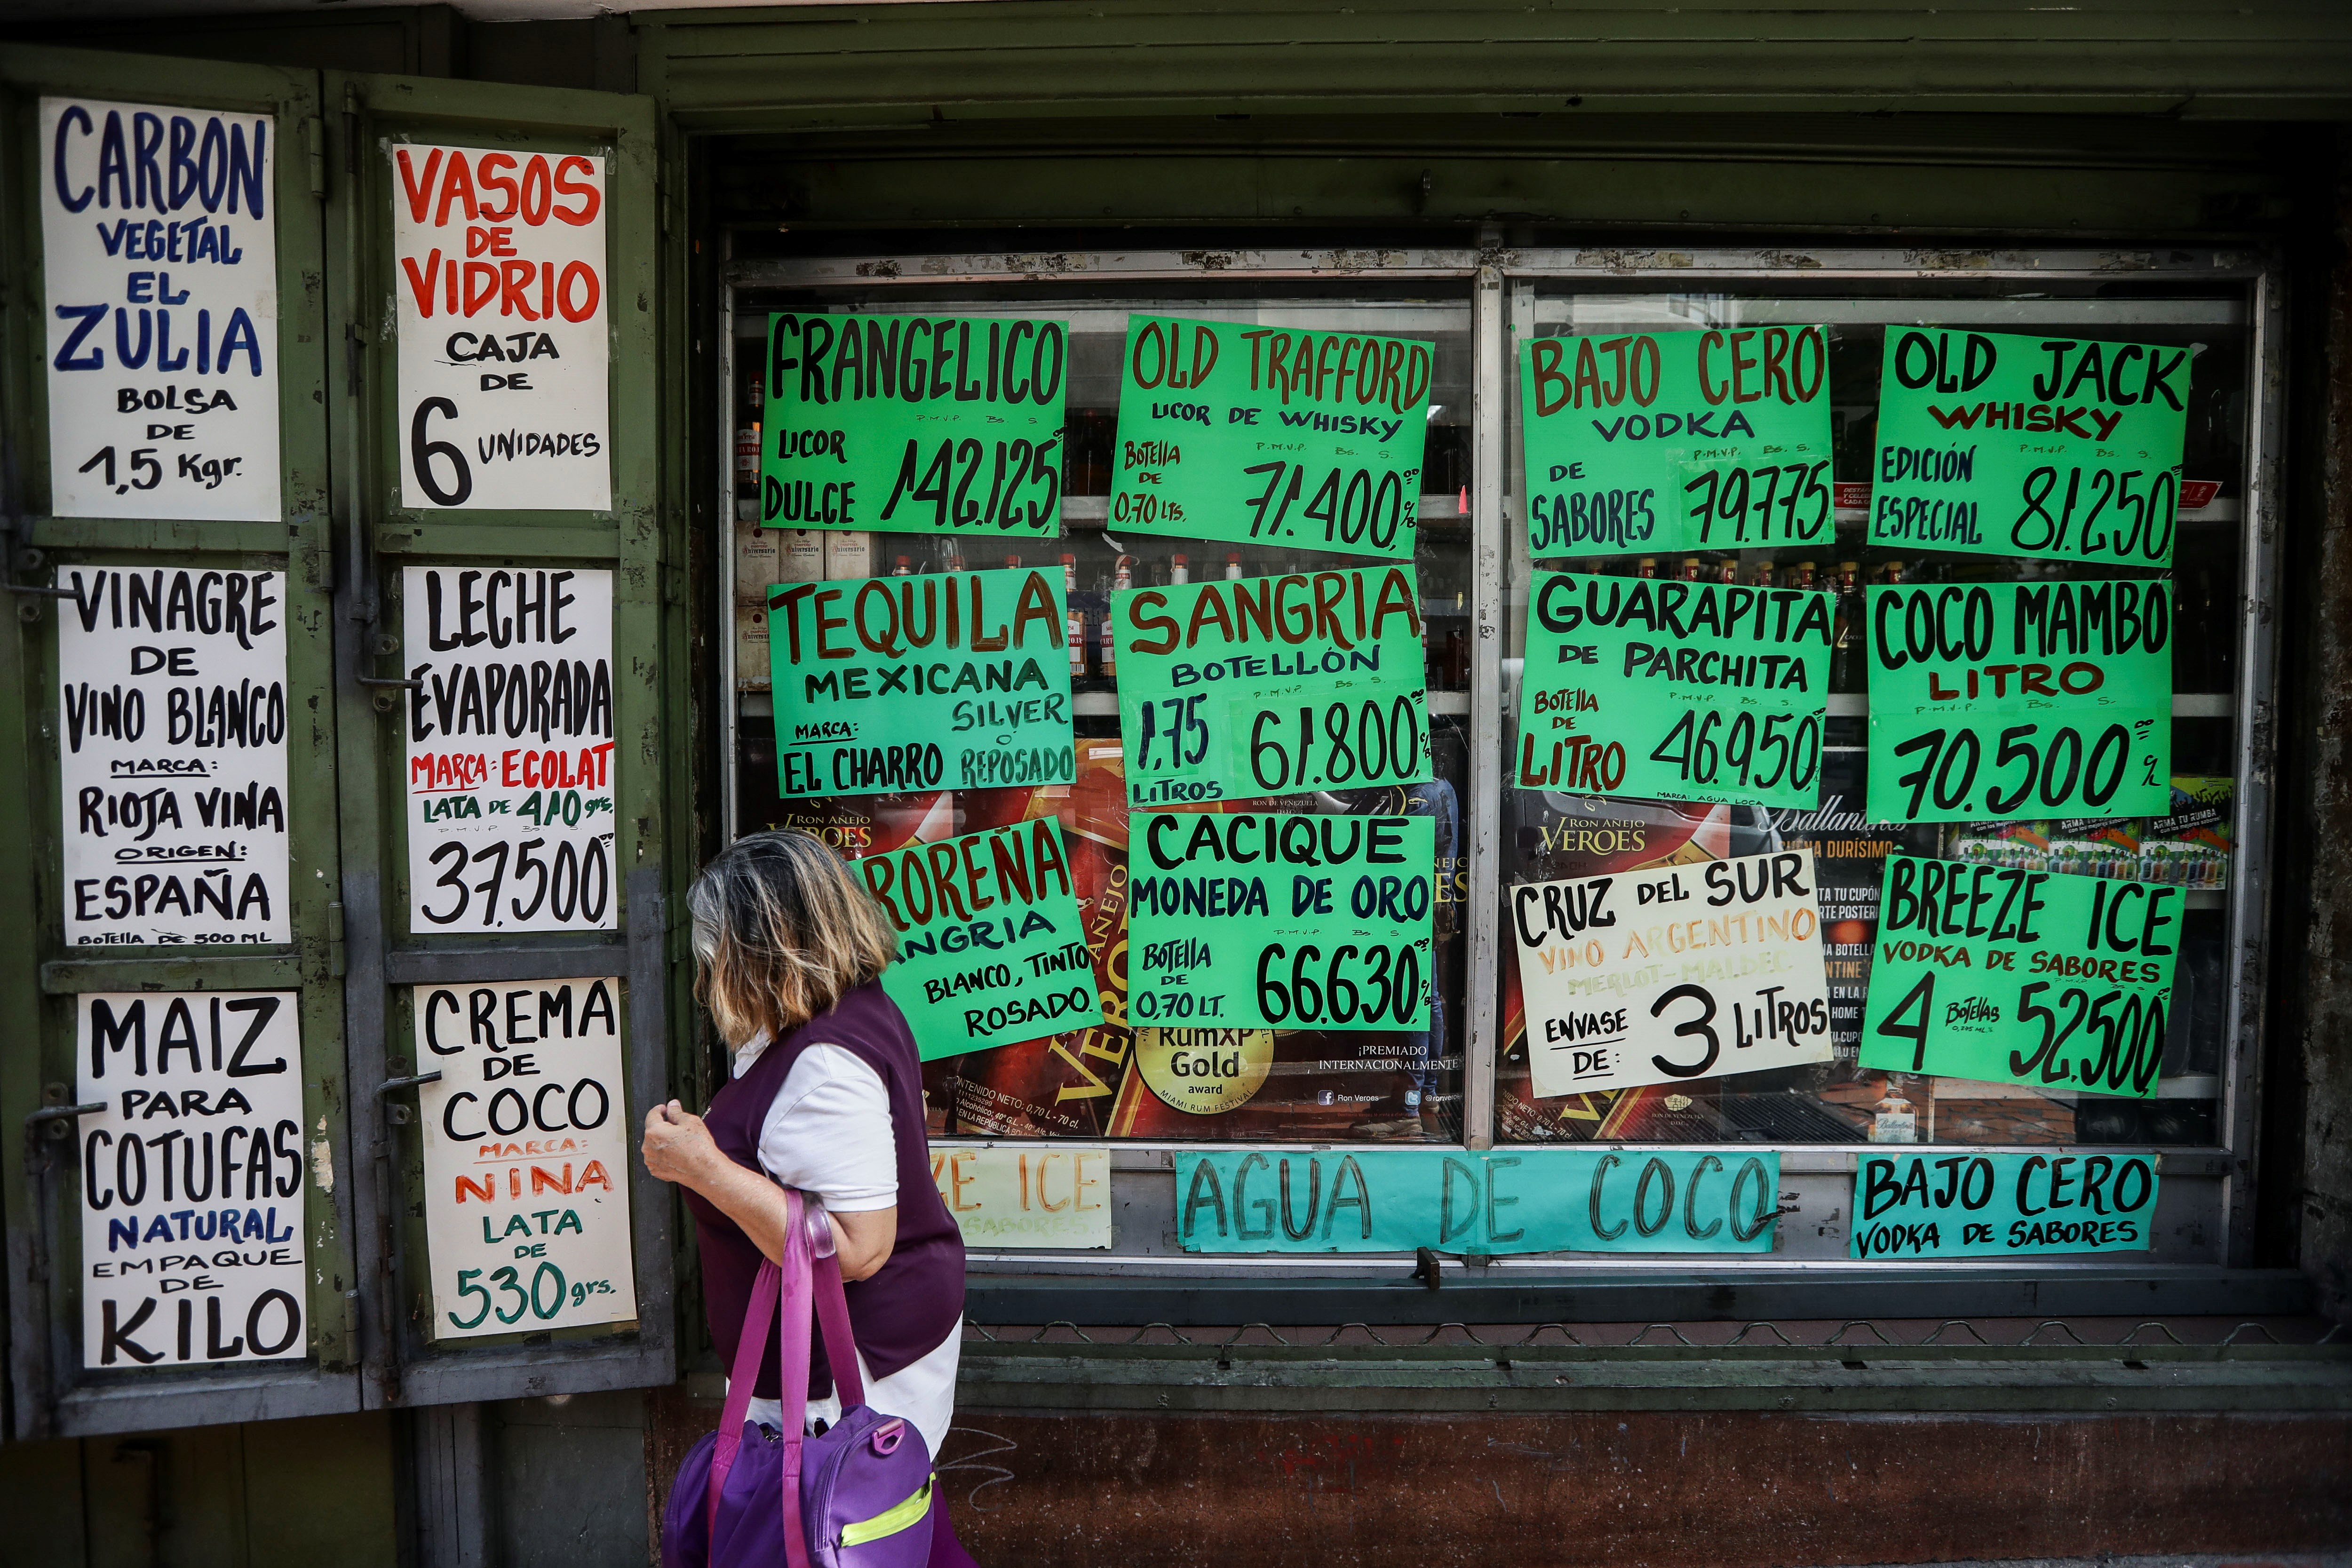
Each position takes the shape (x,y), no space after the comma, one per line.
(510,749)
(1026,1197)
(158,260)
(1679,973)
(171,756)
(191,1178)
(500,293)
(526,1156)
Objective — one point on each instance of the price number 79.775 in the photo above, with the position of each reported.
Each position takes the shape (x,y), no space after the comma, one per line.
(1740,502)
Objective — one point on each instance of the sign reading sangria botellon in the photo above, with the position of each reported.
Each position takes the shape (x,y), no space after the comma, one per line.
(2003,1206)
(2012,976)
(526,1156)
(1998,444)
(1675,691)
(1268,685)
(159,265)
(1277,921)
(172,762)
(956,680)
(1531,1200)
(914,423)
(1682,972)
(510,751)
(191,1178)
(1291,437)
(499,296)
(1026,1197)
(992,942)
(1990,702)
(1609,423)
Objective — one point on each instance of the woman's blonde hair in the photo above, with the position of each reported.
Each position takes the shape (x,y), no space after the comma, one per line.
(782,928)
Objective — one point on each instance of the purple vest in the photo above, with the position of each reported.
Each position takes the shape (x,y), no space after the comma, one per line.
(916,1300)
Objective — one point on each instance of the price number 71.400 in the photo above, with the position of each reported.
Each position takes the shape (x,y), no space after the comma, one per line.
(1355,508)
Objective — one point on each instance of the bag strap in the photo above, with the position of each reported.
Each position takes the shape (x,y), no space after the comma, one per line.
(793,1342)
(754,1339)
(833,1313)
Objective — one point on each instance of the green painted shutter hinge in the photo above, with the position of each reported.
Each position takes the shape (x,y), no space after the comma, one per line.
(314,138)
(335,941)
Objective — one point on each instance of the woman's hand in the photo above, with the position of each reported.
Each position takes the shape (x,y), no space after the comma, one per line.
(678,1146)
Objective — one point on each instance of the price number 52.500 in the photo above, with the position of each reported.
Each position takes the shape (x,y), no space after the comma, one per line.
(2129,1030)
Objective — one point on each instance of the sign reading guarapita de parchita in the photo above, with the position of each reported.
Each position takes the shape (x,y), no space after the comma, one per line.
(1272,435)
(1259,686)
(2005,444)
(953,680)
(1675,691)
(914,423)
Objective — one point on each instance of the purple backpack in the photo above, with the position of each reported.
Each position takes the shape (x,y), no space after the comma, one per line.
(856,1496)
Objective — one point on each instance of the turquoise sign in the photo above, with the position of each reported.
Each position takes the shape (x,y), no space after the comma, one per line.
(1531,1200)
(2003,1206)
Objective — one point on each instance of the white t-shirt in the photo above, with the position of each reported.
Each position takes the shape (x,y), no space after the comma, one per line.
(828,1133)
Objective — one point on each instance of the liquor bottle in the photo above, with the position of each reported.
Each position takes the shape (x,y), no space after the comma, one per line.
(1691,569)
(1845,633)
(1013,561)
(1727,572)
(759,562)
(1122,573)
(1180,570)
(1106,661)
(1809,576)
(904,568)
(952,554)
(1074,619)
(848,553)
(1646,567)
(1234,566)
(1892,574)
(1762,576)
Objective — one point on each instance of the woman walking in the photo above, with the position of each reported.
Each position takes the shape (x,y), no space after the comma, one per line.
(826,1096)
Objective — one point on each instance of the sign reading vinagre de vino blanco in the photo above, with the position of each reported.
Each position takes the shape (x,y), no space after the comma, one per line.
(1256,687)
(191,1178)
(500,297)
(1683,972)
(172,765)
(511,752)
(159,261)
(526,1156)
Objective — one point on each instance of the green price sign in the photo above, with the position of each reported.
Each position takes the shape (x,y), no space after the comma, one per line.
(2001,444)
(946,681)
(993,947)
(2003,1206)
(914,423)
(1674,691)
(1609,424)
(1271,684)
(1280,923)
(2004,975)
(1272,435)
(1990,702)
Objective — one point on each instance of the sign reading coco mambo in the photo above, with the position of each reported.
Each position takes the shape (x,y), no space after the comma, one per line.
(2001,1205)
(1272,435)
(1675,440)
(2012,976)
(992,944)
(1681,972)
(159,263)
(914,423)
(1675,691)
(1274,921)
(500,303)
(958,680)
(1994,701)
(1537,1200)
(1998,444)
(526,1157)
(1271,684)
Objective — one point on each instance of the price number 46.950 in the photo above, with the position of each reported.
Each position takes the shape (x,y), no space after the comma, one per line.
(1756,761)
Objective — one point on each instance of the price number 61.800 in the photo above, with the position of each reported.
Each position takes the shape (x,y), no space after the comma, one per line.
(1339,746)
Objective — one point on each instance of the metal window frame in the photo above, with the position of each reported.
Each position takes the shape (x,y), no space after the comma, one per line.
(1496,273)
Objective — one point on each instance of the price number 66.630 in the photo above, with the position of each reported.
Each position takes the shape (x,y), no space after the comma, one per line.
(2130,1031)
(1354,984)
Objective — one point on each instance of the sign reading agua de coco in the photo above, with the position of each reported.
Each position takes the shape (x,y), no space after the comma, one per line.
(2003,1206)
(992,943)
(953,680)
(1637,441)
(2006,444)
(526,1156)
(1682,972)
(191,1178)
(1532,1200)
(159,262)
(172,766)
(1990,702)
(1279,921)
(1675,691)
(501,304)
(1267,685)
(914,423)
(1279,435)
(2006,975)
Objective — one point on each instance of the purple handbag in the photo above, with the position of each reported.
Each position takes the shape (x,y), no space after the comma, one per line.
(856,1496)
